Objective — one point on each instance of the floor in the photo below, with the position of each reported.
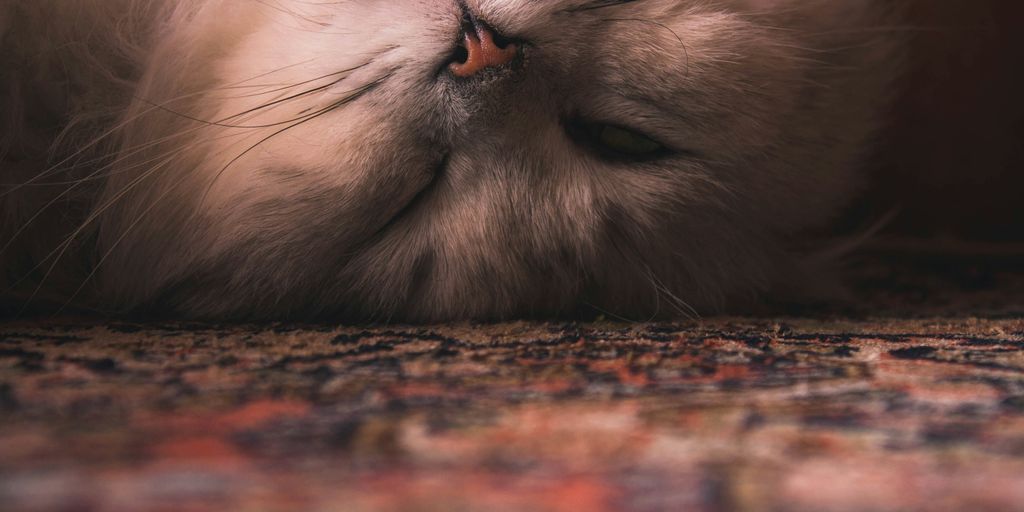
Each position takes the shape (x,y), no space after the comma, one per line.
(912,400)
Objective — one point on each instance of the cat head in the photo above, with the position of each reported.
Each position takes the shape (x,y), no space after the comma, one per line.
(433,159)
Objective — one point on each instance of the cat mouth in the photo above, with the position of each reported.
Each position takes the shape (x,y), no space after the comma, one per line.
(437,172)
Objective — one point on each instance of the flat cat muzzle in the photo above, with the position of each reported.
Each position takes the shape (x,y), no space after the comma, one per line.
(481,48)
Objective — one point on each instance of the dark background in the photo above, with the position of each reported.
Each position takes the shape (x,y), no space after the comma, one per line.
(953,155)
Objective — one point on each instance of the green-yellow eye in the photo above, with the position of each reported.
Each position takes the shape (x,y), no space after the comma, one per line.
(626,142)
(614,142)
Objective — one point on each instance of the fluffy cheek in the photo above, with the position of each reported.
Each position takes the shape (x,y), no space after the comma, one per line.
(272,221)
(337,179)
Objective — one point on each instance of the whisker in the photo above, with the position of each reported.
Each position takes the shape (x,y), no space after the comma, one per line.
(223,122)
(682,45)
(355,94)
(352,96)
(120,126)
(680,305)
(99,173)
(92,273)
(596,4)
(291,12)
(58,252)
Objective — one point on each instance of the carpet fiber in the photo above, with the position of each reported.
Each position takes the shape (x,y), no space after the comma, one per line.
(913,400)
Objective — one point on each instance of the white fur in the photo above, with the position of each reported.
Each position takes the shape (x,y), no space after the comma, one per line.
(218,202)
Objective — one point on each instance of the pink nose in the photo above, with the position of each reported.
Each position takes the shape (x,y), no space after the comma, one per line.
(482,52)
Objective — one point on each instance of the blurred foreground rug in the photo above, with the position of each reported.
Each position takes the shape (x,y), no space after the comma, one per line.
(911,400)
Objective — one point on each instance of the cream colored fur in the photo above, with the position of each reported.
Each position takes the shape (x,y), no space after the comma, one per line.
(292,159)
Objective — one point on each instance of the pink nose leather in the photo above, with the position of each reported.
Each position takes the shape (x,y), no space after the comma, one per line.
(483,53)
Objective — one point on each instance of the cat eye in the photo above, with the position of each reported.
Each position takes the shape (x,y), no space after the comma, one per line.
(613,141)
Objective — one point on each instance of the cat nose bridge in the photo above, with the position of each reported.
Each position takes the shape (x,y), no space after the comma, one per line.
(483,48)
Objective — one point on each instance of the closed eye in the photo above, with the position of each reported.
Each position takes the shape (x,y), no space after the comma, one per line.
(614,142)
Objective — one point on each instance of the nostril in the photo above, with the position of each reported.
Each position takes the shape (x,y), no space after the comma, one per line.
(460,55)
(501,41)
(482,47)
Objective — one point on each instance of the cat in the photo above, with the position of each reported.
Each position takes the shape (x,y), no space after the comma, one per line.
(431,160)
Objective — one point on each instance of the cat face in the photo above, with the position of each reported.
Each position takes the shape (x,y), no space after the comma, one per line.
(642,157)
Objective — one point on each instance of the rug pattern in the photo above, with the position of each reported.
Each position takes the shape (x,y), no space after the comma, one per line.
(716,414)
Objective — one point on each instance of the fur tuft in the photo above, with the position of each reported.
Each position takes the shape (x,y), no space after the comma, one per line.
(287,159)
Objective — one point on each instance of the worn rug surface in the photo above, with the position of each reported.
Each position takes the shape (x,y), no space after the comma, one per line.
(913,400)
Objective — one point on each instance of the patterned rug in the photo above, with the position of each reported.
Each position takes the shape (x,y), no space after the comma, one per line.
(913,400)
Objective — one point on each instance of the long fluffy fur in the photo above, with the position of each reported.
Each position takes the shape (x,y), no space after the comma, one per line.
(270,159)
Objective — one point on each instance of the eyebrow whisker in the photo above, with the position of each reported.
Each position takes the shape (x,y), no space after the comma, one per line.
(593,5)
